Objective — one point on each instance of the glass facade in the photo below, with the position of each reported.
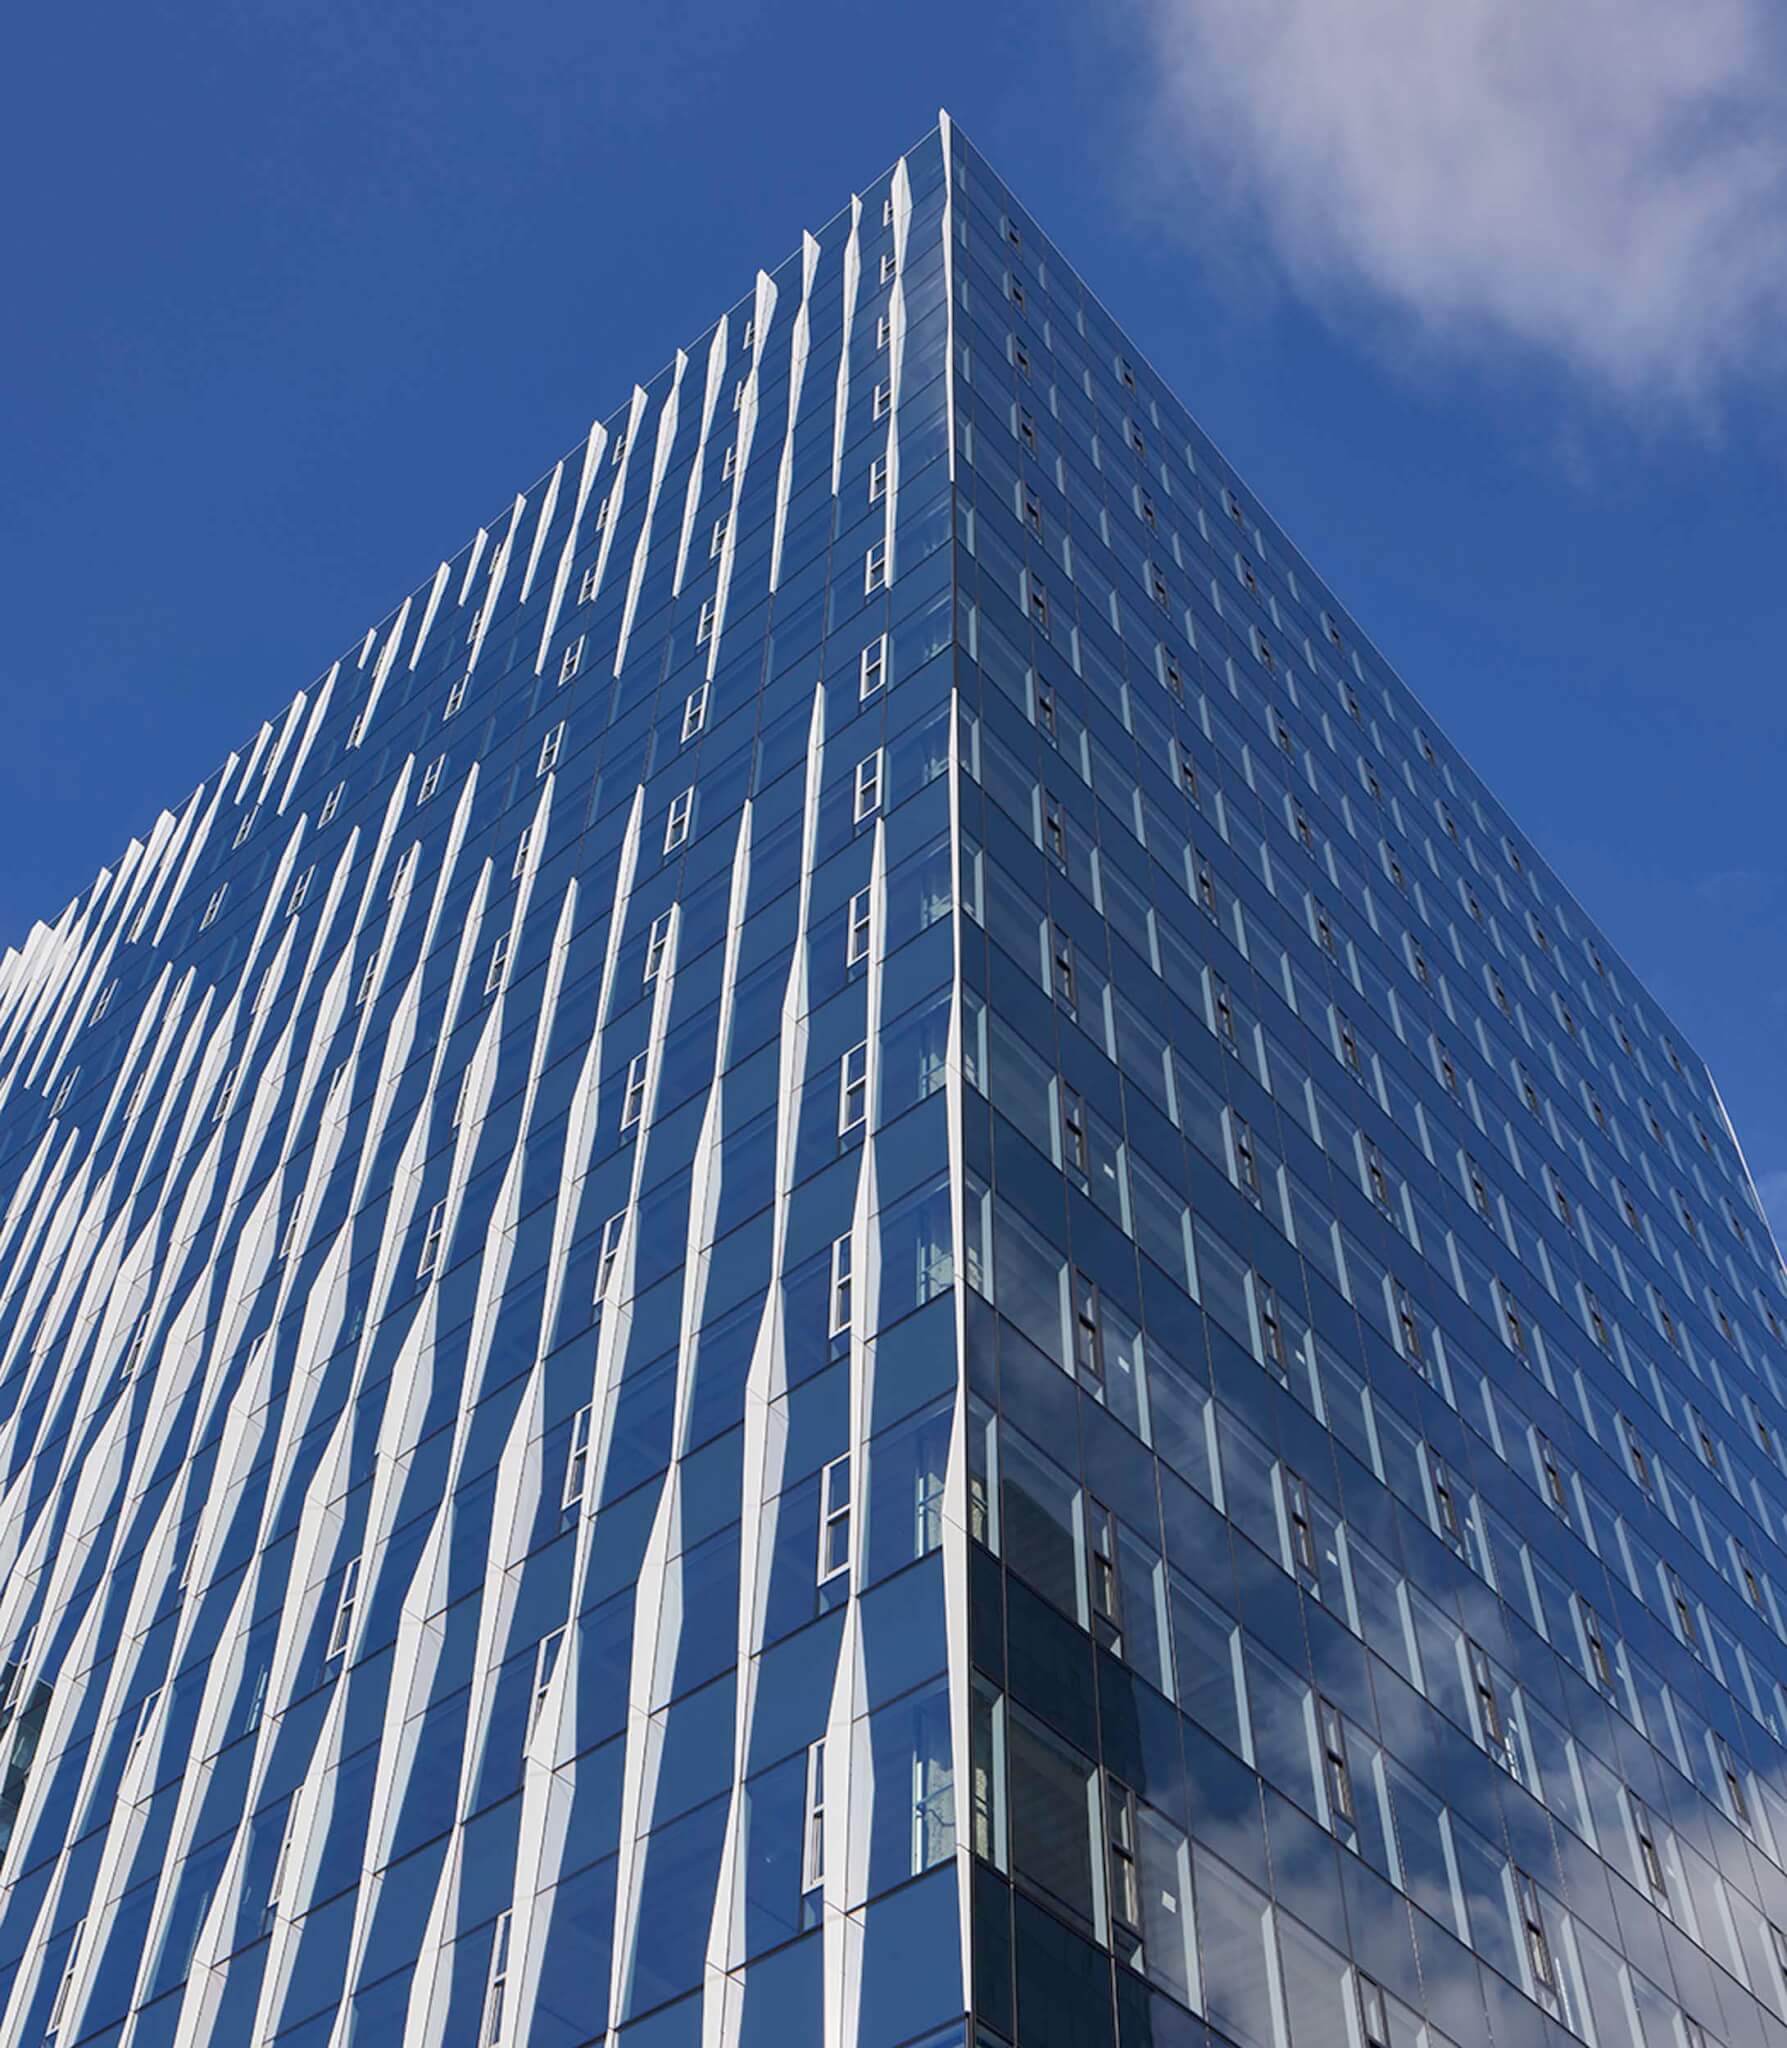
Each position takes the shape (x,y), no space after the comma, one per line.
(852,1258)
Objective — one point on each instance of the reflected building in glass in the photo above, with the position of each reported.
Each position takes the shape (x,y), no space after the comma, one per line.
(852,1258)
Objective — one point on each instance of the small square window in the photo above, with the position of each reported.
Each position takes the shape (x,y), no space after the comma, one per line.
(676,820)
(586,589)
(694,711)
(877,479)
(546,1658)
(883,400)
(840,1286)
(59,2005)
(834,1519)
(341,1632)
(874,666)
(729,465)
(300,889)
(861,921)
(853,1088)
(868,785)
(656,941)
(882,331)
(492,2028)
(431,778)
(576,1463)
(704,624)
(889,267)
(549,748)
(456,697)
(812,1862)
(1075,1152)
(633,1101)
(1088,1329)
(431,1239)
(499,960)
(609,1255)
(572,660)
(1061,957)
(874,571)
(522,846)
(331,804)
(717,539)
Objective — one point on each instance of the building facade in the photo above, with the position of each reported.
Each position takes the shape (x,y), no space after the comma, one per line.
(852,1258)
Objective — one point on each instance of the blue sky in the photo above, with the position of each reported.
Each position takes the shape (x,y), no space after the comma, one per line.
(296,297)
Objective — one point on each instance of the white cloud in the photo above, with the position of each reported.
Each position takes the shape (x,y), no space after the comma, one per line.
(1602,180)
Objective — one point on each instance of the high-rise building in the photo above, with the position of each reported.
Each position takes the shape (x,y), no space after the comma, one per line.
(853,1246)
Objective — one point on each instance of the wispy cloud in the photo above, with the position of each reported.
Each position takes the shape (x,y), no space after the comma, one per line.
(1604,181)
